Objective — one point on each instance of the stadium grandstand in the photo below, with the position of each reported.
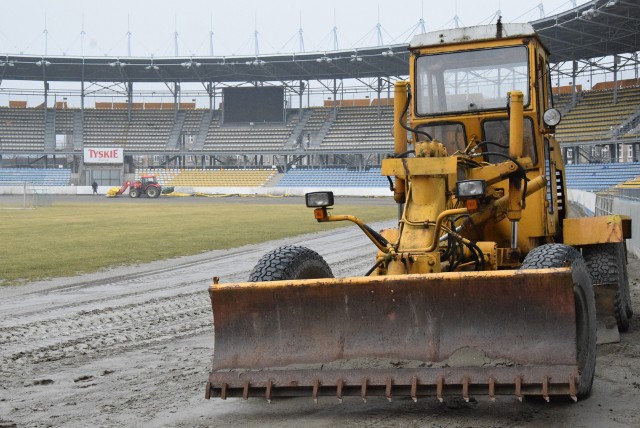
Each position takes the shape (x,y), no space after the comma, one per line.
(271,134)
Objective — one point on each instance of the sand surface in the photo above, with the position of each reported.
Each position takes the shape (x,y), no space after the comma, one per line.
(132,347)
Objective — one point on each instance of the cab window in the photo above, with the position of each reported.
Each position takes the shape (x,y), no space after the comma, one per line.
(497,131)
(452,135)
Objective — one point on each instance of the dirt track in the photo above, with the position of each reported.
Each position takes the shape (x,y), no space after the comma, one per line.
(132,347)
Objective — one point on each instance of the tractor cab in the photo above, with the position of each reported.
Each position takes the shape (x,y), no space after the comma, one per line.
(148,179)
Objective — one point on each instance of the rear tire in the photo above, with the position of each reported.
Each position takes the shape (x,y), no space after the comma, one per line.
(558,255)
(153,192)
(134,193)
(607,265)
(290,262)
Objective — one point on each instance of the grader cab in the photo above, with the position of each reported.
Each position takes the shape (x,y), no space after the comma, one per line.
(485,286)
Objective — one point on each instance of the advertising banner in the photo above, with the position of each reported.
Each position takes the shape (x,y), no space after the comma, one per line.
(103,155)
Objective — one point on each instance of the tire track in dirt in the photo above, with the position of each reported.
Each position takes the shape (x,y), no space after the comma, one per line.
(86,320)
(104,331)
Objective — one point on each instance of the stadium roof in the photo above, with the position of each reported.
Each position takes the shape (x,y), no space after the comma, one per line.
(598,28)
(355,63)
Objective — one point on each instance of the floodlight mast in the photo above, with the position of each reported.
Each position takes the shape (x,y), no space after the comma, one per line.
(128,37)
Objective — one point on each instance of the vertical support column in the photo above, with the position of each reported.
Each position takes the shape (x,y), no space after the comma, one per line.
(335,95)
(379,91)
(616,60)
(81,145)
(129,99)
(44,63)
(176,100)
(574,72)
(213,96)
(302,88)
(82,93)
(46,94)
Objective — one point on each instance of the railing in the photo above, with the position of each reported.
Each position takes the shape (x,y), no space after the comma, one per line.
(604,204)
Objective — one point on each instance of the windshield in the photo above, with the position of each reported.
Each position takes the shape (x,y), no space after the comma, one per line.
(470,80)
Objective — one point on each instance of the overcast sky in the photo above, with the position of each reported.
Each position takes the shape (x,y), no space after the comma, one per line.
(153,24)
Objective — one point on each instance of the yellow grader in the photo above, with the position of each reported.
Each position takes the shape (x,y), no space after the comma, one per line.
(485,287)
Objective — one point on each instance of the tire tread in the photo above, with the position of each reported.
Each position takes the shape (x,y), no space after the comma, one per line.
(290,262)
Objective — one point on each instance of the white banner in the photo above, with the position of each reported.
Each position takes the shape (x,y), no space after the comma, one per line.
(103,155)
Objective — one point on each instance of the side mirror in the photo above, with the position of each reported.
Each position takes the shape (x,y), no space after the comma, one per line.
(319,199)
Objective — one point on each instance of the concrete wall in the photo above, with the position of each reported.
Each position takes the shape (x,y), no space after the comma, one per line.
(586,199)
(632,209)
(47,190)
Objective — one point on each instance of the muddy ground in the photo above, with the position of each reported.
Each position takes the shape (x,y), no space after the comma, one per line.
(132,347)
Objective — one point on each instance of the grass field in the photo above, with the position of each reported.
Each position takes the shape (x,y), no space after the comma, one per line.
(68,239)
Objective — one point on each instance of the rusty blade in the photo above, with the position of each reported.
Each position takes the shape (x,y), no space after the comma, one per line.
(459,319)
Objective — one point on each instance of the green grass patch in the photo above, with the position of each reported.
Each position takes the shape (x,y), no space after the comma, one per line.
(68,239)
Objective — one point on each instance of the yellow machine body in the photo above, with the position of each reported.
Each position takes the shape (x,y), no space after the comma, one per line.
(429,320)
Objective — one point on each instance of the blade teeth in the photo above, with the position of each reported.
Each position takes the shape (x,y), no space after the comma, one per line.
(364,389)
(465,384)
(388,390)
(414,389)
(339,385)
(268,392)
(545,388)
(572,388)
(519,388)
(492,389)
(439,388)
(223,391)
(245,391)
(465,389)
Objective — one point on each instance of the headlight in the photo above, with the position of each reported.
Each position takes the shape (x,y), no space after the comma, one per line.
(468,189)
(552,117)
(319,199)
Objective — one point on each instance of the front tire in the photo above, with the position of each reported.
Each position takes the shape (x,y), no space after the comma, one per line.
(558,255)
(134,193)
(607,265)
(290,262)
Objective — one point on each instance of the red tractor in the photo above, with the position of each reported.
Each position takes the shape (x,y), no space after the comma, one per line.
(146,186)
